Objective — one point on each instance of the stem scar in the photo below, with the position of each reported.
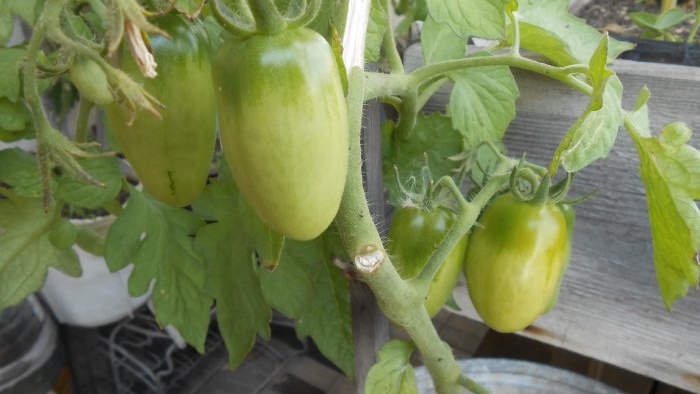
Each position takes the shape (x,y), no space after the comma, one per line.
(369,259)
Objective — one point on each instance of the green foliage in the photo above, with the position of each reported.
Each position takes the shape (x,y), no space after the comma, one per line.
(393,373)
(28,247)
(471,18)
(230,268)
(670,169)
(451,46)
(593,134)
(433,136)
(376,29)
(78,193)
(309,288)
(158,240)
(482,102)
(27,10)
(655,26)
(546,27)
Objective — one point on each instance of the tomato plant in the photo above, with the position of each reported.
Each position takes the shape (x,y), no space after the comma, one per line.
(171,152)
(515,262)
(284,223)
(413,235)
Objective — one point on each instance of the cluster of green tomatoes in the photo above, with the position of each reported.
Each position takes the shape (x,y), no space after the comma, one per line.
(282,119)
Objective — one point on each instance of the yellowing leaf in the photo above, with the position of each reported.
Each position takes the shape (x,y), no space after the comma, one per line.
(670,169)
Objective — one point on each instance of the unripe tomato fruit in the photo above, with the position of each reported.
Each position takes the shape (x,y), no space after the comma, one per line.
(172,156)
(570,217)
(515,261)
(284,128)
(413,236)
(90,80)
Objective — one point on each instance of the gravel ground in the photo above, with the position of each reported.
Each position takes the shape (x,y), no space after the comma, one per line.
(613,15)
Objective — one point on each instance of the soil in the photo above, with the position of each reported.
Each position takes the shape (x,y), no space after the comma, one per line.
(612,16)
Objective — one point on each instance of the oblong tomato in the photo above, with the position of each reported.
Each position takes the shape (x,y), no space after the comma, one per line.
(413,235)
(172,156)
(570,217)
(515,261)
(284,128)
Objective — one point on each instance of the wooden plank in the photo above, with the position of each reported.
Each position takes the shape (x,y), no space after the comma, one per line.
(610,308)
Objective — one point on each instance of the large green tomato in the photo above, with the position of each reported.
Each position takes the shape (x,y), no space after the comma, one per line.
(515,261)
(284,128)
(413,236)
(172,156)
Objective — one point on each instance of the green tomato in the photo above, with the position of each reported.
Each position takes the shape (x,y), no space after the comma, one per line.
(90,80)
(570,217)
(284,128)
(515,261)
(172,156)
(413,236)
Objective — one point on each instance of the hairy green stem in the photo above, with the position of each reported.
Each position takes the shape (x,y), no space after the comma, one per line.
(468,213)
(268,19)
(563,74)
(81,125)
(515,47)
(31,95)
(472,386)
(389,44)
(400,303)
(396,84)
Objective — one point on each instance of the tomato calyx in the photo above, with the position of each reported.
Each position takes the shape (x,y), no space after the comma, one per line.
(528,186)
(422,192)
(251,17)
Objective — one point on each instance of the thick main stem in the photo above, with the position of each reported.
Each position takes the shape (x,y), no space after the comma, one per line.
(398,300)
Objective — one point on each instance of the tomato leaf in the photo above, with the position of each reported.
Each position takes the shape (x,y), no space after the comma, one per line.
(593,134)
(432,135)
(26,251)
(439,42)
(376,29)
(19,170)
(82,194)
(599,73)
(10,77)
(231,270)
(157,239)
(670,169)
(308,288)
(482,102)
(546,27)
(15,120)
(393,373)
(479,18)
(28,10)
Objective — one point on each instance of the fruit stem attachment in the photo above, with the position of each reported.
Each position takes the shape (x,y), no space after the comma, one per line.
(268,19)
(468,213)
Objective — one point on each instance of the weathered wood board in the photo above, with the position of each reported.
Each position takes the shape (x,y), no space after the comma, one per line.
(610,308)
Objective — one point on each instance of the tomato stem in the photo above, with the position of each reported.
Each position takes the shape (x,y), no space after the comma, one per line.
(515,26)
(268,19)
(399,302)
(81,125)
(389,44)
(468,213)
